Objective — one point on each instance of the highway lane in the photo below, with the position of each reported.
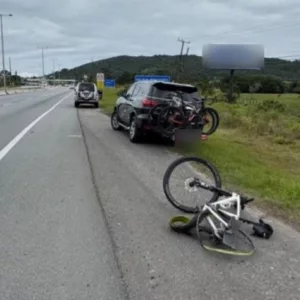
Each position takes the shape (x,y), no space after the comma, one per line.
(159,264)
(54,240)
(17,111)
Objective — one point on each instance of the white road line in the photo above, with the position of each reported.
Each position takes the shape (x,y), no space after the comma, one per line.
(14,141)
(7,104)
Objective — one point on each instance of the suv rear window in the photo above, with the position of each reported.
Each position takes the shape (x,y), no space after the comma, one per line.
(163,91)
(142,89)
(86,87)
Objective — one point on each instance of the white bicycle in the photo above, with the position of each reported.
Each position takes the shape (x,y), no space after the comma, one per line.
(218,221)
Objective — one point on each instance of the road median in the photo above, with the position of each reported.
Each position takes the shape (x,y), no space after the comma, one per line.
(13,91)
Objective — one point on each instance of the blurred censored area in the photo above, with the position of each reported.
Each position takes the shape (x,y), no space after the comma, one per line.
(187,138)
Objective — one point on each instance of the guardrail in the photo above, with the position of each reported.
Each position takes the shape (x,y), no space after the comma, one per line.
(20,89)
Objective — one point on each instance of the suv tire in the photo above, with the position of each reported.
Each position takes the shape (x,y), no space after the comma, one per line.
(114,121)
(134,131)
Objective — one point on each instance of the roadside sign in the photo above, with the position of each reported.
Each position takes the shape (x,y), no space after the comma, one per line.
(100,85)
(100,77)
(100,81)
(110,83)
(165,78)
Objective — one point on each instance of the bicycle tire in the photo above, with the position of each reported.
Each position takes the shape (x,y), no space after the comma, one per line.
(214,111)
(171,168)
(226,250)
(161,118)
(150,114)
(216,120)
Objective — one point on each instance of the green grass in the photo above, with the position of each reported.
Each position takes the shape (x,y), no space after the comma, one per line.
(109,99)
(256,149)
(255,167)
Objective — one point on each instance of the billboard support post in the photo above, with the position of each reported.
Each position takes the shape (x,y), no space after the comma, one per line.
(233,57)
(230,96)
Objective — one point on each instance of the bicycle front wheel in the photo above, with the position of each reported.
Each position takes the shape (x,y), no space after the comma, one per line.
(178,176)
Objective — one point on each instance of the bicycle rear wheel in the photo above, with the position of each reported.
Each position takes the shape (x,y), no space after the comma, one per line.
(191,167)
(169,119)
(210,113)
(233,242)
(154,114)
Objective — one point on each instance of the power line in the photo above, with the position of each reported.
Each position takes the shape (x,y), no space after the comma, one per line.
(259,28)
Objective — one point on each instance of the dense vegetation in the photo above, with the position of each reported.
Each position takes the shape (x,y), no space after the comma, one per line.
(278,76)
(11,80)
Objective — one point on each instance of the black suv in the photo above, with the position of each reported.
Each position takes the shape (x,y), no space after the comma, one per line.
(132,108)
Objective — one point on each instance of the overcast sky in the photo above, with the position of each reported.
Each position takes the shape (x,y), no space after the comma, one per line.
(79,31)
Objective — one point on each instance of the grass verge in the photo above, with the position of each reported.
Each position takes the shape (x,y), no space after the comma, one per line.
(108,100)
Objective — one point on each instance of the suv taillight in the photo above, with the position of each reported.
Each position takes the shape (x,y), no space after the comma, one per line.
(149,103)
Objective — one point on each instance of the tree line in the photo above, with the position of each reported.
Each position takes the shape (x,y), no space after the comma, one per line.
(278,76)
(11,80)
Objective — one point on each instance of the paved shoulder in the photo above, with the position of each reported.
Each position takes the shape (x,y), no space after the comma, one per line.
(159,264)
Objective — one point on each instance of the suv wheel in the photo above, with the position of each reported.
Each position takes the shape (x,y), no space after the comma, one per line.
(134,131)
(114,121)
(76,104)
(97,105)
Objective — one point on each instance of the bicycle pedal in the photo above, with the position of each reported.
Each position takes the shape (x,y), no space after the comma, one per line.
(262,229)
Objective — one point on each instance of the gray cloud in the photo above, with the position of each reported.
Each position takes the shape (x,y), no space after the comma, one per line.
(78,31)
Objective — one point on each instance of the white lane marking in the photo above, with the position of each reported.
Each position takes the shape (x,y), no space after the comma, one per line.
(7,104)
(14,141)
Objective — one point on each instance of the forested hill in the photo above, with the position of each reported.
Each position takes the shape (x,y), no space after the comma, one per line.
(120,66)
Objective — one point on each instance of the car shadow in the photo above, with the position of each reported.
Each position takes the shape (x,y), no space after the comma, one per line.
(86,106)
(153,139)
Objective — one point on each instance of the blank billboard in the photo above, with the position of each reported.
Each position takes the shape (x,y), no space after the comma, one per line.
(233,56)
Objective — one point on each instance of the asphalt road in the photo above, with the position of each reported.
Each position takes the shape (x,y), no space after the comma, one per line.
(83,216)
(54,241)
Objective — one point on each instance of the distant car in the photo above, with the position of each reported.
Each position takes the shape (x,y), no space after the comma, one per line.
(132,108)
(86,93)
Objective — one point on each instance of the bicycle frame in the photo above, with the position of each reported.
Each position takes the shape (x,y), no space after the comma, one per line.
(187,118)
(226,203)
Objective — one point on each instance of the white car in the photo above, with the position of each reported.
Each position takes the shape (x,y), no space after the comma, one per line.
(86,93)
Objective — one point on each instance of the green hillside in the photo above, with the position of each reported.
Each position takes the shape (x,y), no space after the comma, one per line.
(116,67)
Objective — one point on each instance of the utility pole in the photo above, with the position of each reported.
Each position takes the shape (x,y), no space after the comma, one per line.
(53,61)
(3,56)
(59,69)
(43,64)
(9,65)
(183,42)
(9,60)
